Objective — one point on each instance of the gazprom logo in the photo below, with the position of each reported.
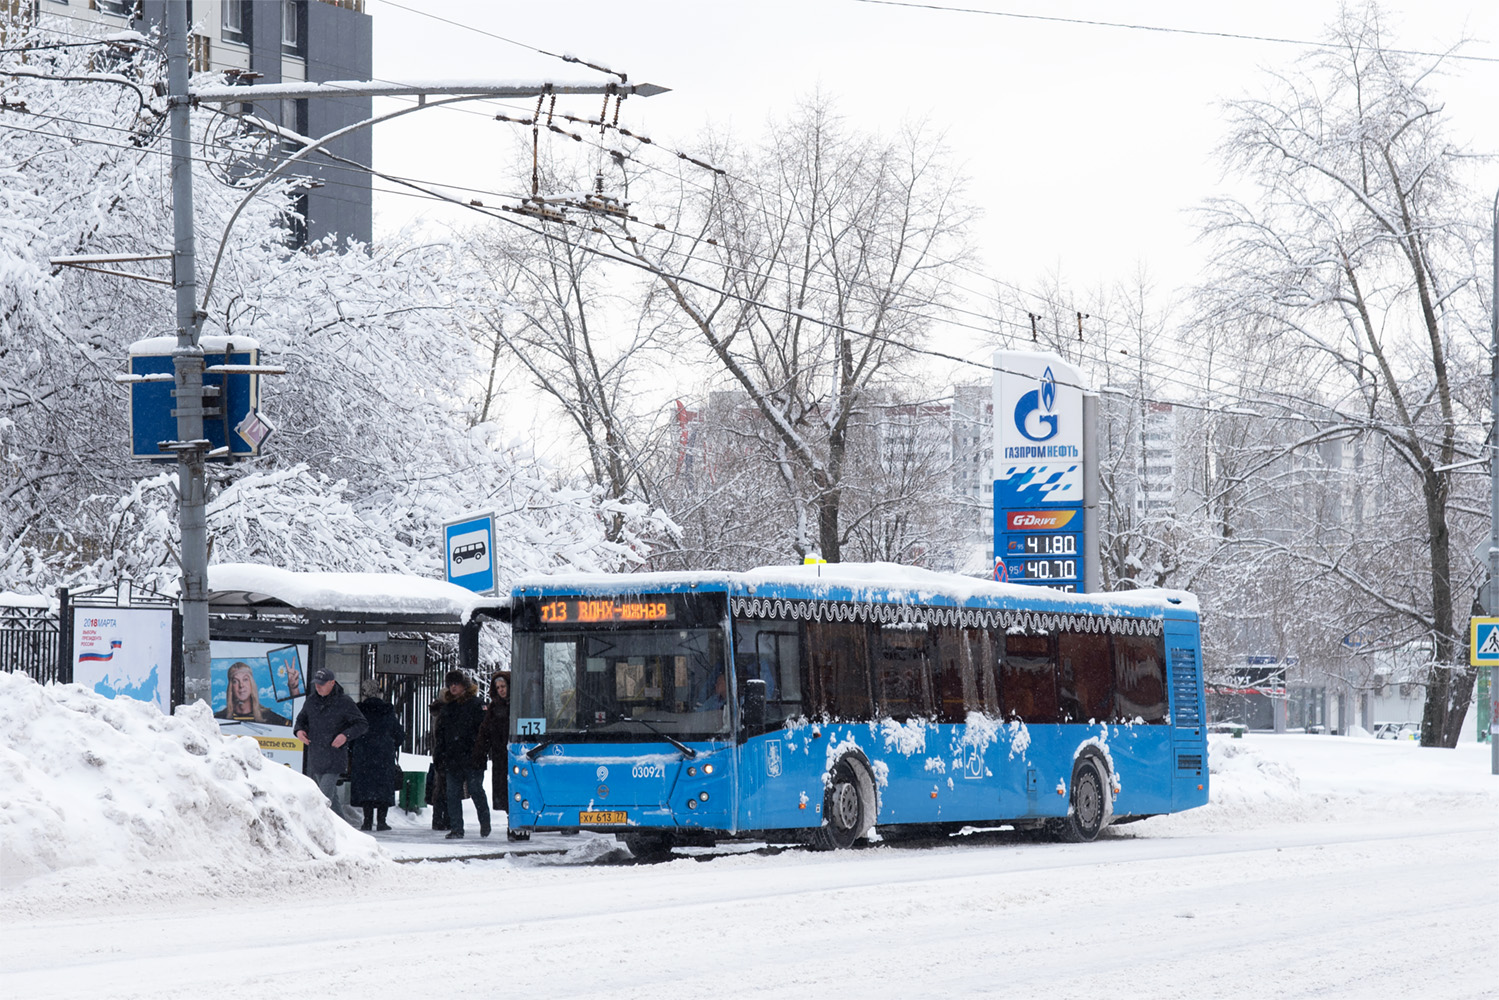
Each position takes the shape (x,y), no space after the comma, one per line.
(1034,418)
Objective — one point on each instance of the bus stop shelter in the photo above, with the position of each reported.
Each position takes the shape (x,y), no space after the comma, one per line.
(358,625)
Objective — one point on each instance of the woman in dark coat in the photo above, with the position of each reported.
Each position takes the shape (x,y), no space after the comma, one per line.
(374,766)
(437,786)
(494,740)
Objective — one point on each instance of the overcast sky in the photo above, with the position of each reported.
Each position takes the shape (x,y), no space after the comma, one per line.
(1087,145)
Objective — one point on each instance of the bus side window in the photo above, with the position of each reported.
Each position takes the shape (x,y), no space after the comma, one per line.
(1028,679)
(902,681)
(789,673)
(1085,679)
(1140,678)
(966,665)
(838,670)
(770,652)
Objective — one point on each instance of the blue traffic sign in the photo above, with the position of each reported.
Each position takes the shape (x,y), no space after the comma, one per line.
(1483,641)
(468,548)
(152,418)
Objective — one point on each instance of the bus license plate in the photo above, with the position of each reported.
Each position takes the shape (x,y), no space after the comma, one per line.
(597,818)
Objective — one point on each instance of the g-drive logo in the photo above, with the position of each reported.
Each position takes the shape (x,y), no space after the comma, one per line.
(1036,421)
(1038,520)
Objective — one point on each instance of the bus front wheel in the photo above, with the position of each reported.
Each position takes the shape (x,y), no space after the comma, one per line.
(649,846)
(1089,807)
(848,807)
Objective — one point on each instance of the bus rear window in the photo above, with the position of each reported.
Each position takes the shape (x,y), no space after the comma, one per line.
(1140,678)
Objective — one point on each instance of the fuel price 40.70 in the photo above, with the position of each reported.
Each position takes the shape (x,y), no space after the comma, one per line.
(1050,569)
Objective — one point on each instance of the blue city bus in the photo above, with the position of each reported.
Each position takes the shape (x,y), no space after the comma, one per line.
(815,703)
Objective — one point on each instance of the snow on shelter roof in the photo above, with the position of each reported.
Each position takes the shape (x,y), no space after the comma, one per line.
(250,585)
(870,581)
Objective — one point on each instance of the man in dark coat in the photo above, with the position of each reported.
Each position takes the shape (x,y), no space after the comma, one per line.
(456,751)
(374,767)
(329,719)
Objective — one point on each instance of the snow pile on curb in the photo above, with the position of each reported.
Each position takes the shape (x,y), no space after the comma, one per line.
(1302,778)
(1244,778)
(113,785)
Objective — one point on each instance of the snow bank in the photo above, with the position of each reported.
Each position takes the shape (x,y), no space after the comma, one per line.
(96,787)
(1265,778)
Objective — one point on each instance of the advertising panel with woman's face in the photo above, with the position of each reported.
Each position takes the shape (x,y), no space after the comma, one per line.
(256,690)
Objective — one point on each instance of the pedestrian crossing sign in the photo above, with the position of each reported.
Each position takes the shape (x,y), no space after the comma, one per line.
(1483,642)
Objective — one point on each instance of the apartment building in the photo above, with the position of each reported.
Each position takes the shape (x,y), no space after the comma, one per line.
(279,41)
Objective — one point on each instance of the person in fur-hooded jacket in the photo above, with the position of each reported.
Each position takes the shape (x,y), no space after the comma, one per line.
(455,751)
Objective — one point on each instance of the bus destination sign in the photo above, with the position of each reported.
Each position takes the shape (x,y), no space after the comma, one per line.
(608,610)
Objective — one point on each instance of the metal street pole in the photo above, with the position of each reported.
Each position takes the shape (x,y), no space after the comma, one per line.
(191,447)
(188,367)
(1092,554)
(1493,601)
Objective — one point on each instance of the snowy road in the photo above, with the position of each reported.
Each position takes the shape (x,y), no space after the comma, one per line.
(1315,909)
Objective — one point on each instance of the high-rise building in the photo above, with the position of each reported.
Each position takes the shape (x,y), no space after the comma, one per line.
(1157,480)
(279,41)
(971,423)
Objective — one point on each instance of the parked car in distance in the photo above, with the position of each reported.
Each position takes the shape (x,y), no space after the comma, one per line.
(1397,730)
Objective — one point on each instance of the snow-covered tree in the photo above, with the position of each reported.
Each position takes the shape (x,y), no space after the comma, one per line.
(1358,258)
(380,437)
(808,273)
(574,328)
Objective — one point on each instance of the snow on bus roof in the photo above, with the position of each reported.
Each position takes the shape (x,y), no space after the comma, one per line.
(251,584)
(865,581)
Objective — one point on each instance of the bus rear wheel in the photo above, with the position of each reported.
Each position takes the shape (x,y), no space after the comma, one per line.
(848,808)
(1089,807)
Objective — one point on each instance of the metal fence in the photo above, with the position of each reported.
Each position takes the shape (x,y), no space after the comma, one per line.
(30,640)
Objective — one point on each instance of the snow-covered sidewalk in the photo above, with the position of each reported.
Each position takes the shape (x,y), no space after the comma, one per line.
(155,859)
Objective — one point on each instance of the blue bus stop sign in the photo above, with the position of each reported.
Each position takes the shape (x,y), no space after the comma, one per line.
(468,553)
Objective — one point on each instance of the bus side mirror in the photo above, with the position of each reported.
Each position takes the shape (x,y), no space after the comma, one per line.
(754,704)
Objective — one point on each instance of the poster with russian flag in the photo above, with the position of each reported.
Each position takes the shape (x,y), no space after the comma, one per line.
(124,653)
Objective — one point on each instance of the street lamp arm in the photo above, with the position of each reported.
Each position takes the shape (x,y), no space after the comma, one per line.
(459,91)
(452,88)
(299,156)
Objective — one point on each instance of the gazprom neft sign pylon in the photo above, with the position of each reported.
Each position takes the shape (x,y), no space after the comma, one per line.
(1039,451)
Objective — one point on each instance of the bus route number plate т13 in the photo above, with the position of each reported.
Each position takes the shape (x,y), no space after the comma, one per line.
(601,818)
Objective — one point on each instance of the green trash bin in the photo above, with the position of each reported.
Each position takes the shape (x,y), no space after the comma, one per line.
(413,790)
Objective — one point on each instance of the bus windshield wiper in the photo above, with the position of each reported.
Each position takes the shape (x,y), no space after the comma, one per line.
(687,751)
(535,751)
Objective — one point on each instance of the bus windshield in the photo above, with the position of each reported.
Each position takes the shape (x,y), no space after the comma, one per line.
(620,684)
